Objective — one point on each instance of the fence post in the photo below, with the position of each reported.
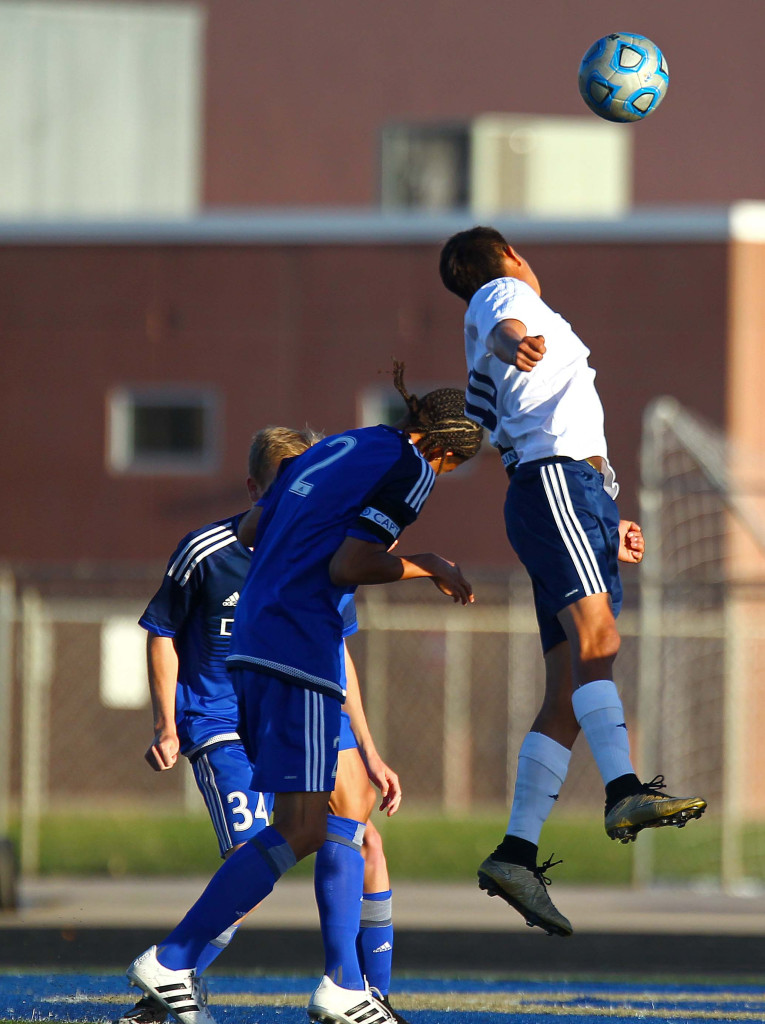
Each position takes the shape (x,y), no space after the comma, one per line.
(650,637)
(36,671)
(374,682)
(456,754)
(7,620)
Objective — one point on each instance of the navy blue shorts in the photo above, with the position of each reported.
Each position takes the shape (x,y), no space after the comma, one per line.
(291,735)
(565,529)
(237,811)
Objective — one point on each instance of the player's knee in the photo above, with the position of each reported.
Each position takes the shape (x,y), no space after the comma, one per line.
(600,644)
(373,851)
(311,837)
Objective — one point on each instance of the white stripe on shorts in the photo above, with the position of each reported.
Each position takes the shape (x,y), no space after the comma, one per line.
(208,786)
(571,530)
(314,742)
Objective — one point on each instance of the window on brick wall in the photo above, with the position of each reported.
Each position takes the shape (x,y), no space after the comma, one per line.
(163,430)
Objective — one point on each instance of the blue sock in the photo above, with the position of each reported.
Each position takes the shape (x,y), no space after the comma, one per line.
(239,884)
(339,882)
(374,944)
(214,949)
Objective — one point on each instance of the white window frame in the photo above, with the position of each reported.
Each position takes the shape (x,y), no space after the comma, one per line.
(121,454)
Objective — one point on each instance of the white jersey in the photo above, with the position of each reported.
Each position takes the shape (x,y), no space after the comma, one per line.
(551,410)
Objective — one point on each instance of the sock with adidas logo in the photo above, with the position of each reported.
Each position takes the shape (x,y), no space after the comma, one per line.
(374,943)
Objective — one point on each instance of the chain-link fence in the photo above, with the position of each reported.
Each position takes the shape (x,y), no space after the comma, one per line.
(449,693)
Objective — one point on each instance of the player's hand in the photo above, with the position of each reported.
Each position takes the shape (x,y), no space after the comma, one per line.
(163,753)
(450,581)
(530,350)
(631,542)
(389,785)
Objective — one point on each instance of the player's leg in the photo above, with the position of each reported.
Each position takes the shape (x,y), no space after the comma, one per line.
(339,882)
(354,795)
(237,811)
(339,871)
(375,941)
(512,870)
(276,720)
(223,775)
(630,805)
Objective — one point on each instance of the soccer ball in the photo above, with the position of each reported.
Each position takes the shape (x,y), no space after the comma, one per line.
(623,77)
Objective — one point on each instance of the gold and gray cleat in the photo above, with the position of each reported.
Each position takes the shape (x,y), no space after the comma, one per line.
(526,892)
(651,809)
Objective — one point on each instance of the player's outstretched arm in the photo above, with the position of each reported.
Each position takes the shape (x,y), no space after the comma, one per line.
(357,562)
(383,777)
(510,343)
(162,663)
(631,542)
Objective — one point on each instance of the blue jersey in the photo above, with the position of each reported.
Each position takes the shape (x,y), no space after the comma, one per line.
(195,606)
(370,484)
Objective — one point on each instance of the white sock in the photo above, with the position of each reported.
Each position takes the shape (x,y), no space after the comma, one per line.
(598,709)
(542,767)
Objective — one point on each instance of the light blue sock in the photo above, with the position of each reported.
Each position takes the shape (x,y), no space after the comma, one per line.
(339,883)
(374,943)
(214,949)
(239,884)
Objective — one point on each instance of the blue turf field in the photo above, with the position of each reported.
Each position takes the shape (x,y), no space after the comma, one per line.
(281,1000)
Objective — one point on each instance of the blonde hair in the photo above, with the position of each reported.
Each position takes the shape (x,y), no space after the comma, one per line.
(272,444)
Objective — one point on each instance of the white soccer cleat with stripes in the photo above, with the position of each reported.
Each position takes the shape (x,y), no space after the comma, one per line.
(331,1004)
(178,991)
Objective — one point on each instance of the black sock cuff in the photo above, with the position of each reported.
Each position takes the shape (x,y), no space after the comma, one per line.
(514,850)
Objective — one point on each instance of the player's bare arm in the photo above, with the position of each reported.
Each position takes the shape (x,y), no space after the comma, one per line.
(380,774)
(510,343)
(631,542)
(358,562)
(162,663)
(248,526)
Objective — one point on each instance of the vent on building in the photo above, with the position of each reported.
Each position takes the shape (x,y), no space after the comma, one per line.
(546,166)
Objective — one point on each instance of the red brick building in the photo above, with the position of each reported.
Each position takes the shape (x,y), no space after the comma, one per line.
(288,320)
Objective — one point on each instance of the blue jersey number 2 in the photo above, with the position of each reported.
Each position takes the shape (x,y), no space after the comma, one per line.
(301,485)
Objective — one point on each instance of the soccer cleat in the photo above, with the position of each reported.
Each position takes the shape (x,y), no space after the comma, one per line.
(179,992)
(331,1004)
(146,1011)
(648,808)
(384,1000)
(526,892)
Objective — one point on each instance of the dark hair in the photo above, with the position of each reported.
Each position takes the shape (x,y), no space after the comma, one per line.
(470,259)
(272,444)
(440,417)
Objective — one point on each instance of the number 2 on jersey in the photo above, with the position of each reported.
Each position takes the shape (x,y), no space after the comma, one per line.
(301,485)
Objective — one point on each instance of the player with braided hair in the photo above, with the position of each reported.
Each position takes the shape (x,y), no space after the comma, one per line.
(326,525)
(441,418)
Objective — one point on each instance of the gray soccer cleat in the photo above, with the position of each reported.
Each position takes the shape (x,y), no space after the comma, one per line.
(179,992)
(526,892)
(331,1004)
(651,809)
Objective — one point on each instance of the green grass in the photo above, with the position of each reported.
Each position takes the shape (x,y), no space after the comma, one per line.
(418,845)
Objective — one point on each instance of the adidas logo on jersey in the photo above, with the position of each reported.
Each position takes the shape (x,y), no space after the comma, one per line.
(385,948)
(231,601)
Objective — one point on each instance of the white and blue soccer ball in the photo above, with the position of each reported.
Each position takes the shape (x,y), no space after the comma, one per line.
(623,77)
